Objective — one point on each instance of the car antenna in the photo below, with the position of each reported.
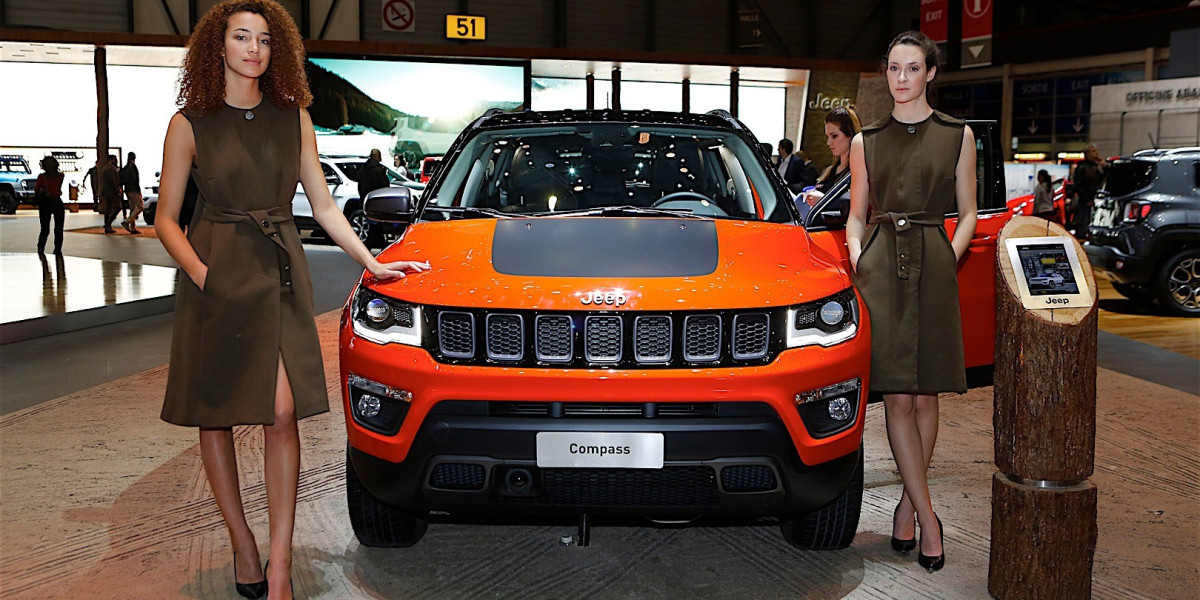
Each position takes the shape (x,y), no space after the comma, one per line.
(1153,144)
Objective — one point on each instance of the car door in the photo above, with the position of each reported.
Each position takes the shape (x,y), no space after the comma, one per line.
(826,225)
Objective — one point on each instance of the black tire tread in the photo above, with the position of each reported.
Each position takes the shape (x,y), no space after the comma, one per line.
(375,523)
(831,527)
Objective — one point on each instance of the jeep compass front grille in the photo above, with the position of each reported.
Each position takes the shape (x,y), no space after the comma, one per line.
(604,339)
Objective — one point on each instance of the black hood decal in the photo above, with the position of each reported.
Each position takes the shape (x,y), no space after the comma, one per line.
(605,247)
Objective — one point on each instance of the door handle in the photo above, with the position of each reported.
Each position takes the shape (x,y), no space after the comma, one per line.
(984,240)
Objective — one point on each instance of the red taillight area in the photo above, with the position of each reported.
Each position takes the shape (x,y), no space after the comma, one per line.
(1136,211)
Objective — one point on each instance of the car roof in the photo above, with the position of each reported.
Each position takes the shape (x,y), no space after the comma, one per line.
(1158,154)
(717,118)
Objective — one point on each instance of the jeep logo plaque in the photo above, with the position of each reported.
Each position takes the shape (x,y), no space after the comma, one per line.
(609,298)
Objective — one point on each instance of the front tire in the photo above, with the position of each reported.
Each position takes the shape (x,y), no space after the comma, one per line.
(148,215)
(375,523)
(831,527)
(1177,285)
(8,203)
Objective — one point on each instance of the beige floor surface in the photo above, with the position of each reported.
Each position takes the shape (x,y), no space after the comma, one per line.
(100,499)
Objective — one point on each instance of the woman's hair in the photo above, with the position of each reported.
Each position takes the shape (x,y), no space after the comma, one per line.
(202,78)
(50,165)
(1043,176)
(846,120)
(920,40)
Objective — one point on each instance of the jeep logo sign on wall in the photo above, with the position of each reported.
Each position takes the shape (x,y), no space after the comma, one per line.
(610,298)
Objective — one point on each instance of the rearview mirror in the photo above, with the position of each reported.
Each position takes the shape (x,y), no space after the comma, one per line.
(389,205)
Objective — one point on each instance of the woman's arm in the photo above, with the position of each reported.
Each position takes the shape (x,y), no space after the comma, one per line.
(965,192)
(856,222)
(326,212)
(40,184)
(179,151)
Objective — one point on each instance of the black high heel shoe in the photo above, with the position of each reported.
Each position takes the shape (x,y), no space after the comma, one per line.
(249,590)
(899,545)
(934,563)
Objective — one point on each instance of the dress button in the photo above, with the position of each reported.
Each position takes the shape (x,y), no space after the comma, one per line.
(901,222)
(265,223)
(287,267)
(287,283)
(274,235)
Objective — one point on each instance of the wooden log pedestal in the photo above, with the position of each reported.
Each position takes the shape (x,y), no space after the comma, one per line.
(1043,505)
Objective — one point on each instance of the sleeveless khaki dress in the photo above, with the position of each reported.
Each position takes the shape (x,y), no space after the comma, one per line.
(907,273)
(257,302)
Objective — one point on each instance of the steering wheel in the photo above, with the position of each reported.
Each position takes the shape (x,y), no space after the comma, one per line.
(678,196)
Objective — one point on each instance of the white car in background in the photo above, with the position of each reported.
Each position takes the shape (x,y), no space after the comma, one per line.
(341,176)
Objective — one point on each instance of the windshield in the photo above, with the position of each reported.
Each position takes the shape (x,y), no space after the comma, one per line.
(1128,176)
(548,170)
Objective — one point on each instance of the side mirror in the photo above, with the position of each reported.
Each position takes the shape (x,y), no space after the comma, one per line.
(389,205)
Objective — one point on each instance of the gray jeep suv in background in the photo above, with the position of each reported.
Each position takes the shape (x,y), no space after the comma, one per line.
(16,183)
(1145,230)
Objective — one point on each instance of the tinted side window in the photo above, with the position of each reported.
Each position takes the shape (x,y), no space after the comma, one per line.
(989,166)
(331,176)
(1127,177)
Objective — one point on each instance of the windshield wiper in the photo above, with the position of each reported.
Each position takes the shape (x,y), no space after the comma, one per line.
(627,210)
(471,212)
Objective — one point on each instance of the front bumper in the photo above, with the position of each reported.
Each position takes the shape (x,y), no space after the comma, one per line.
(756,429)
(1119,266)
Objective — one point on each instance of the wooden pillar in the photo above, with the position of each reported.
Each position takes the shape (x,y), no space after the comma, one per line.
(734,78)
(1043,505)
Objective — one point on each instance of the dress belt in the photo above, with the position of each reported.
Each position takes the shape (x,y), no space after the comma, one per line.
(902,223)
(266,221)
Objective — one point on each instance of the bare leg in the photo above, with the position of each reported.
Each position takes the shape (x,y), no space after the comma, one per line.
(220,465)
(282,475)
(907,449)
(927,424)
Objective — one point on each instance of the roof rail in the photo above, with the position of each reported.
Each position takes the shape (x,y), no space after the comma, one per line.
(725,115)
(1183,150)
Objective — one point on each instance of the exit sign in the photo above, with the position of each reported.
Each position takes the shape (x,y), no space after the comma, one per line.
(466,27)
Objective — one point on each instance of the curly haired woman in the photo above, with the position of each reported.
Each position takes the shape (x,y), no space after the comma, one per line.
(245,348)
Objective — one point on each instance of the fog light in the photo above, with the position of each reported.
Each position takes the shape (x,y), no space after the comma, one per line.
(839,409)
(368,406)
(832,313)
(378,310)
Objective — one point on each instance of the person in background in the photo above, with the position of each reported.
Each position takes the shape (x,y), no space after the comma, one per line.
(1043,196)
(93,177)
(1089,174)
(372,176)
(790,167)
(841,124)
(48,192)
(808,173)
(110,193)
(133,190)
(398,163)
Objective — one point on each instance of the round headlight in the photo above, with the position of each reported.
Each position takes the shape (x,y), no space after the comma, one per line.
(832,313)
(378,310)
(368,406)
(839,409)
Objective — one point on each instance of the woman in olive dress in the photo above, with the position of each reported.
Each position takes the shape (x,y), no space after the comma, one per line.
(908,170)
(245,349)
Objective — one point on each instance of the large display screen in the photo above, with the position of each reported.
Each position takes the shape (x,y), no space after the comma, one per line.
(409,109)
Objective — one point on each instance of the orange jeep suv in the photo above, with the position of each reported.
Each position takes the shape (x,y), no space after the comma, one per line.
(624,315)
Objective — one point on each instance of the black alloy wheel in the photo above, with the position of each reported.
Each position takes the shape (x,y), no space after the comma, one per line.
(367,232)
(1178,284)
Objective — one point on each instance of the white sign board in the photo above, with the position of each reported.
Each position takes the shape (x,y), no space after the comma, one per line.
(1048,273)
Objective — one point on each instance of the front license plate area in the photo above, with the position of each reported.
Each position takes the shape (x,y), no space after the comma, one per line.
(599,450)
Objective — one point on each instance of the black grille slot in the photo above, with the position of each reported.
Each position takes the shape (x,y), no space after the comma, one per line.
(669,486)
(652,339)
(456,334)
(519,409)
(553,339)
(702,338)
(457,476)
(751,336)
(688,409)
(598,409)
(602,339)
(748,478)
(505,337)
(403,316)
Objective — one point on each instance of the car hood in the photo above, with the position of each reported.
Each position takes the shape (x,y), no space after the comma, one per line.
(627,263)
